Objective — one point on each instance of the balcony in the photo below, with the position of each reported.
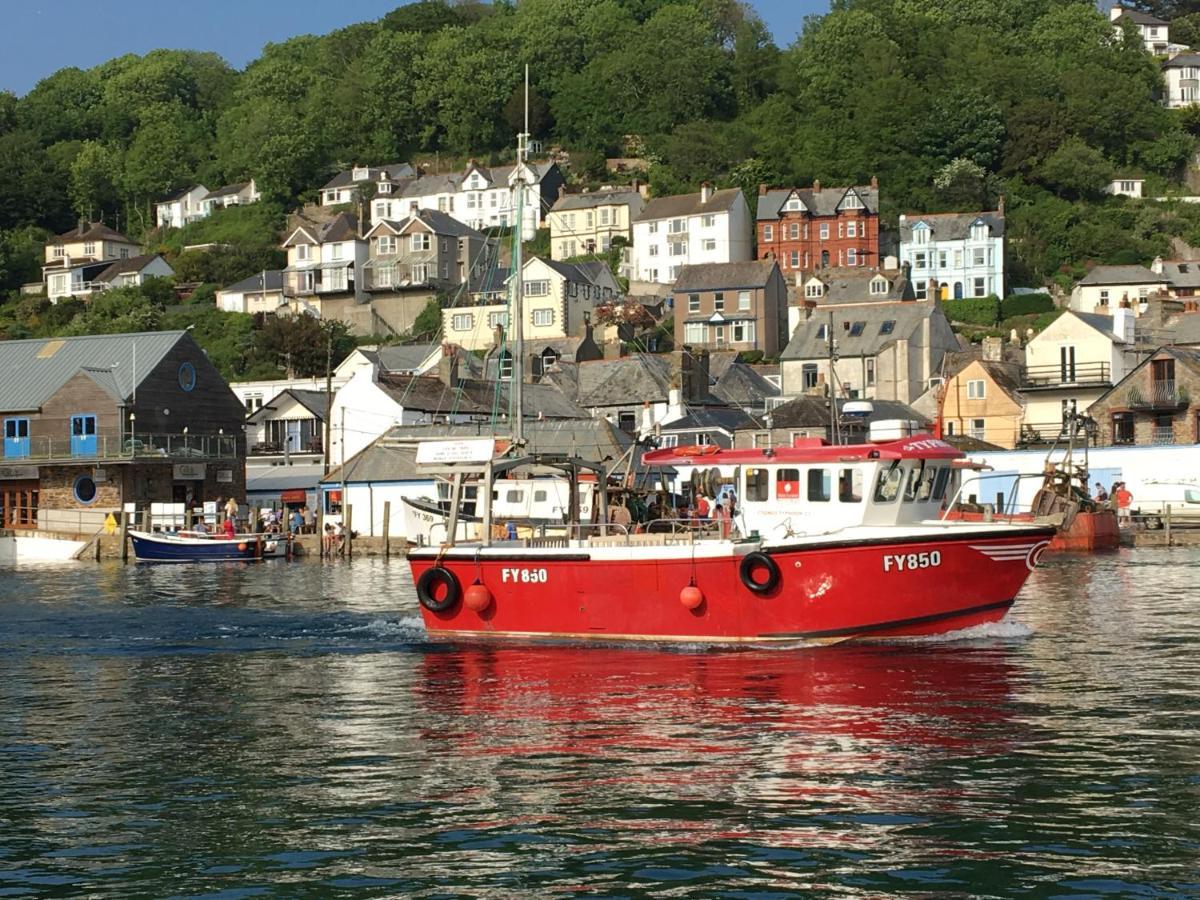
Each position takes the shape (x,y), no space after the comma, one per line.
(1097,374)
(129,448)
(1162,434)
(1161,395)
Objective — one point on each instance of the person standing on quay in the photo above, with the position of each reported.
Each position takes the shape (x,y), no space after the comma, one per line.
(1124,501)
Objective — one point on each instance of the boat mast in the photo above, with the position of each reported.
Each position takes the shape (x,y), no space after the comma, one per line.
(518,305)
(831,345)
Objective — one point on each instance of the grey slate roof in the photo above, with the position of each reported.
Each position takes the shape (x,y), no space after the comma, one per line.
(92,231)
(737,383)
(592,199)
(951,226)
(1103,324)
(342,227)
(313,401)
(32,370)
(393,456)
(1183,272)
(227,190)
(1140,18)
(394,172)
(1122,275)
(617,382)
(806,342)
(824,202)
(125,266)
(724,417)
(273,282)
(403,358)
(813,412)
(428,394)
(715,276)
(423,185)
(689,205)
(853,285)
(579,273)
(1183,60)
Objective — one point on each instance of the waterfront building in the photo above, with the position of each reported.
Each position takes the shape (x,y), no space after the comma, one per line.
(96,422)
(804,229)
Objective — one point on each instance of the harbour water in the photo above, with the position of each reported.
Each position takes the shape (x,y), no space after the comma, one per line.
(287,730)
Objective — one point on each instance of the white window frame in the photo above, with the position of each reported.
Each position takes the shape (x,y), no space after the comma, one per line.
(543,318)
(462,322)
(976,389)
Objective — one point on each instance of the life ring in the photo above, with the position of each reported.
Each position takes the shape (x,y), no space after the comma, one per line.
(426,582)
(757,560)
(696,450)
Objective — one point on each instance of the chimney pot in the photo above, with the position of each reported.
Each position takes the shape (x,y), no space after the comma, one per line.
(874,182)
(817,186)
(562,191)
(762,189)
(705,191)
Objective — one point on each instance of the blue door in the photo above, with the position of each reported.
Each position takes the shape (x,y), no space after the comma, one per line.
(83,435)
(16,438)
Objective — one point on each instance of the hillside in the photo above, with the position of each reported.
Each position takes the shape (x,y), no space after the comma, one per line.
(950,105)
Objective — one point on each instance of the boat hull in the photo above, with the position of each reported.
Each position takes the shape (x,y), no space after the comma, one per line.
(247,548)
(826,592)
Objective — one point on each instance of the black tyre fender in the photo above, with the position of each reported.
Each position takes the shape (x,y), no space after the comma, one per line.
(425,584)
(759,560)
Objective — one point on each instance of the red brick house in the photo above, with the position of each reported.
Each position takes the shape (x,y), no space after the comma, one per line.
(804,229)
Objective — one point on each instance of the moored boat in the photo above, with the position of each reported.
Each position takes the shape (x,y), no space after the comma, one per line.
(185,546)
(829,543)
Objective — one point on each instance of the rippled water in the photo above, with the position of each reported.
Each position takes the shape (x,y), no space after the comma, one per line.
(287,730)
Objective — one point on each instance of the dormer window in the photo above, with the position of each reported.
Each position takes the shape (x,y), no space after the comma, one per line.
(879,286)
(851,201)
(814,289)
(360,173)
(385,187)
(793,204)
(921,234)
(979,232)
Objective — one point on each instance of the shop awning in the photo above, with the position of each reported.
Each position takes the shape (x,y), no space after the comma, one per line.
(293,495)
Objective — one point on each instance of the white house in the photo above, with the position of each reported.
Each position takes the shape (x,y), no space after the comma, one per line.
(954,254)
(1181,75)
(1071,364)
(92,278)
(1126,187)
(480,196)
(183,208)
(1106,288)
(325,259)
(1153,31)
(558,296)
(230,195)
(690,229)
(385,182)
(261,293)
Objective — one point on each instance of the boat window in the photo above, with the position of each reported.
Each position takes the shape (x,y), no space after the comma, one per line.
(925,488)
(914,482)
(539,496)
(787,484)
(757,485)
(514,496)
(942,482)
(850,486)
(818,485)
(887,486)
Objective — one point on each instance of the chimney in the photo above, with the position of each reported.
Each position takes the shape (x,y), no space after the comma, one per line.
(83,226)
(1115,13)
(705,191)
(1123,326)
(562,191)
(874,183)
(817,186)
(448,366)
(762,189)
(1000,206)
(993,349)
(1157,266)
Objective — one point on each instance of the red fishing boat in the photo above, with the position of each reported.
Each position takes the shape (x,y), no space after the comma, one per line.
(827,543)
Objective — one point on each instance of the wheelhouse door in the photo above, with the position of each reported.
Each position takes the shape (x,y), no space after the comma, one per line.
(16,438)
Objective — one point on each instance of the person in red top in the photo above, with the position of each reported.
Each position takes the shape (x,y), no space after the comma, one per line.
(229,530)
(1124,501)
(702,507)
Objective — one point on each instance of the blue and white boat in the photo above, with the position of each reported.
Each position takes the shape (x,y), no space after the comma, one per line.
(187,546)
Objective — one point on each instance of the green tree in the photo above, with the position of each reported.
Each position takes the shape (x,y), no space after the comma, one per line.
(1076,170)
(95,180)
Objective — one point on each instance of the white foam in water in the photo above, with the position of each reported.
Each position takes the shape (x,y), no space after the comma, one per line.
(407,628)
(1004,630)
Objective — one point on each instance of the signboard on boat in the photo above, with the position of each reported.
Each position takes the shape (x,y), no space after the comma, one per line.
(461,451)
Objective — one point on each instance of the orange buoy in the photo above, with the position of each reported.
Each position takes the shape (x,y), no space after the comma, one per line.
(477,597)
(691,596)
(242,545)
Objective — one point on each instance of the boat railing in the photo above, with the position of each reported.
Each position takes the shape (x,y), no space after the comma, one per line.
(1006,511)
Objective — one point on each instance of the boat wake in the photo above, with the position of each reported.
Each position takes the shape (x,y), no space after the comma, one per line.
(990,632)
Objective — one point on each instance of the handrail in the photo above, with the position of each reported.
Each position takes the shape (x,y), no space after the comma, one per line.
(178,447)
(1009,501)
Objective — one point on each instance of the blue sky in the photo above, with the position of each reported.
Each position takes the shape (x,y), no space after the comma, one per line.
(40,37)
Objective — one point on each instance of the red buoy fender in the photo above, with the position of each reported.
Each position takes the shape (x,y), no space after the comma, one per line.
(691,597)
(477,597)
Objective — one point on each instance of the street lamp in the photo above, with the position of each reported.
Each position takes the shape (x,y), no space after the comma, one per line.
(133,434)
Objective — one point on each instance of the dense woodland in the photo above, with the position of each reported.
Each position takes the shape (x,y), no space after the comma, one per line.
(949,104)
